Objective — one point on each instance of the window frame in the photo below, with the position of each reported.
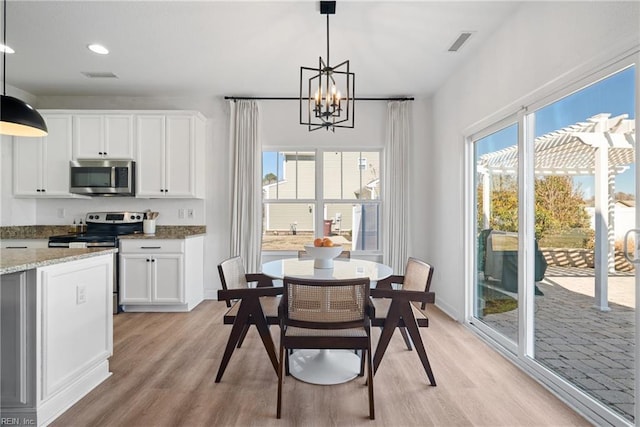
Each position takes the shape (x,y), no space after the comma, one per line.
(318,202)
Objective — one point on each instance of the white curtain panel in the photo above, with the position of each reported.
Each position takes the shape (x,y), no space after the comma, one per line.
(246,219)
(396,179)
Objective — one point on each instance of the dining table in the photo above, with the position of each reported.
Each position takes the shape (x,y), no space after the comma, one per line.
(325,367)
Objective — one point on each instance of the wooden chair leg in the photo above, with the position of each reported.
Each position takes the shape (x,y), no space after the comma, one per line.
(243,335)
(250,311)
(267,340)
(407,340)
(242,319)
(390,324)
(372,411)
(280,379)
(412,327)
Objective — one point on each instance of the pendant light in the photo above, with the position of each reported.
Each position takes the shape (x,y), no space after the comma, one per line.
(16,117)
(327,92)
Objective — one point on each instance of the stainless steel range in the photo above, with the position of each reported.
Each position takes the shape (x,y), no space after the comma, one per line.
(103,229)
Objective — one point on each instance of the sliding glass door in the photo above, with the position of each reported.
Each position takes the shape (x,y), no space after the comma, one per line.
(554,192)
(496,228)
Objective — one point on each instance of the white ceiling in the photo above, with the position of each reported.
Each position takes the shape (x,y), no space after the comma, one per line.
(248,48)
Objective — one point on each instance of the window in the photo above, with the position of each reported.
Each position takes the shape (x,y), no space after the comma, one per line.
(321,193)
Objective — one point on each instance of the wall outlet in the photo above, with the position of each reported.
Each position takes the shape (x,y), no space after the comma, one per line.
(61,212)
(190,214)
(81,294)
(181,213)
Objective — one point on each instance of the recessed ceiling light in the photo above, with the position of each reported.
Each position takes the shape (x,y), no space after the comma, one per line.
(6,49)
(98,48)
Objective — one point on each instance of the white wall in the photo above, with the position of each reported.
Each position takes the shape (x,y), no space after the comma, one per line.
(280,129)
(541,42)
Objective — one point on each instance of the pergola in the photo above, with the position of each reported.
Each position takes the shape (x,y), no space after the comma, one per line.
(601,146)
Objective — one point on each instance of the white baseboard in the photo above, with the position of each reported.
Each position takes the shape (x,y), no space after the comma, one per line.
(52,408)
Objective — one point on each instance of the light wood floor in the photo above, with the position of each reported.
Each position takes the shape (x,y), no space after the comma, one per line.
(164,365)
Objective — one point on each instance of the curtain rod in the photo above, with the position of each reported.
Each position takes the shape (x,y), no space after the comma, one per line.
(291,98)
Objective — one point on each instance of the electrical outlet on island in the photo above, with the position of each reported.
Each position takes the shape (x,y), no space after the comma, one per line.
(190,214)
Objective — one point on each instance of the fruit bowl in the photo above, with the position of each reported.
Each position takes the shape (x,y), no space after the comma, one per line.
(323,255)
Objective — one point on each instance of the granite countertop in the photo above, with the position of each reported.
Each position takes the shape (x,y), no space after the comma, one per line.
(45,231)
(170,232)
(15,260)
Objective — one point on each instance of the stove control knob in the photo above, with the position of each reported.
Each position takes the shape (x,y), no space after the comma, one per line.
(97,217)
(133,217)
(90,216)
(138,217)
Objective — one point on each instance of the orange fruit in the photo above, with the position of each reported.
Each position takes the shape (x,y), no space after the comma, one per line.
(318,242)
(327,242)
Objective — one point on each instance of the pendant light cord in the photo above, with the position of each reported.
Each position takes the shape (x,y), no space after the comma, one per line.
(4,48)
(327,40)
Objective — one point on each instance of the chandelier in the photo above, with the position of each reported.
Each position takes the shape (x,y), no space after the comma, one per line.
(326,92)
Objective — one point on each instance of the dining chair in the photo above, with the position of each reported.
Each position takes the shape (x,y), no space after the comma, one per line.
(305,255)
(248,306)
(394,308)
(325,314)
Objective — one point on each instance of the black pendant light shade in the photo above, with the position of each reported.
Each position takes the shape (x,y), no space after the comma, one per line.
(17,118)
(20,119)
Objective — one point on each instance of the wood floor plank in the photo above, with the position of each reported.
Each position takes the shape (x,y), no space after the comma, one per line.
(164,366)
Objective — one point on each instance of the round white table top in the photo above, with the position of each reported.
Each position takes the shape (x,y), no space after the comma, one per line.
(342,269)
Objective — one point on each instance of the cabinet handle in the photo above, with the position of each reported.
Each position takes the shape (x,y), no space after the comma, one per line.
(153,260)
(16,247)
(150,247)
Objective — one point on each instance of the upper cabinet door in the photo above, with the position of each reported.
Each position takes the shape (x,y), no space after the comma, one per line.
(118,137)
(27,166)
(88,137)
(57,152)
(180,157)
(151,155)
(98,136)
(41,165)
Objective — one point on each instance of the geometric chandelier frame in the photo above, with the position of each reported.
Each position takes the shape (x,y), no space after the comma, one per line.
(327,93)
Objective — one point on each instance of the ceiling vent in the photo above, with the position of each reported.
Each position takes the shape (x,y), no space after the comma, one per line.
(99,75)
(462,38)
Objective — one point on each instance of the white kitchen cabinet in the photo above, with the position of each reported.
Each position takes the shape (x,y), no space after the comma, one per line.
(170,153)
(103,136)
(41,165)
(161,274)
(57,337)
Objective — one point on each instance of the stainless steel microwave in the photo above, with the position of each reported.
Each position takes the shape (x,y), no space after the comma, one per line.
(103,177)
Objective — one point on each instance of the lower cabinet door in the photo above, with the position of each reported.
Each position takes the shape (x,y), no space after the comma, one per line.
(135,279)
(168,278)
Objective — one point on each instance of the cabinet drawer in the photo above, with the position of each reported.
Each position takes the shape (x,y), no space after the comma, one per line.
(151,246)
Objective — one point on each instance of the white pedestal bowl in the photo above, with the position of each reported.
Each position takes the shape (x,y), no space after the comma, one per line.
(323,255)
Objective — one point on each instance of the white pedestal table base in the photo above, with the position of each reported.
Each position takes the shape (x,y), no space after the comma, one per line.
(324,367)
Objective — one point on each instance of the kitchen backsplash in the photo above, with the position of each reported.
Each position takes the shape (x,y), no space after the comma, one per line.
(172,211)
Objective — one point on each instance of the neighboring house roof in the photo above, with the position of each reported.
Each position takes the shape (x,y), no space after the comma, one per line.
(627,203)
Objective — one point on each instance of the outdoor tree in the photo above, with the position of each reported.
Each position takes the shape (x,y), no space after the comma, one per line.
(269,178)
(559,205)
